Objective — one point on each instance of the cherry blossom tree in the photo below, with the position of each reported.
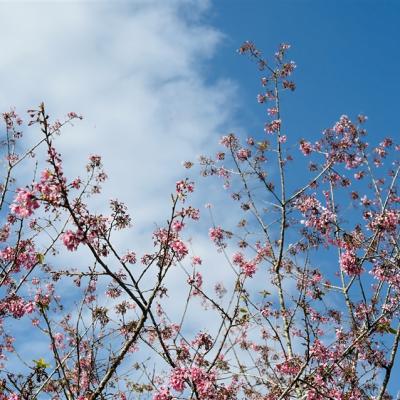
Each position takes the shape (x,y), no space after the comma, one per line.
(309,304)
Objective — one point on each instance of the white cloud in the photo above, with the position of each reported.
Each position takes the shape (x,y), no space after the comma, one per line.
(134,70)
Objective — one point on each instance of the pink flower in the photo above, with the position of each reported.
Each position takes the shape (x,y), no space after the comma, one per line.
(177,379)
(229,141)
(177,226)
(320,352)
(273,126)
(305,147)
(95,160)
(76,183)
(263,251)
(359,175)
(196,260)
(261,98)
(25,203)
(217,236)
(238,258)
(16,307)
(204,381)
(349,263)
(387,221)
(162,394)
(49,188)
(73,115)
(289,367)
(29,307)
(26,258)
(179,248)
(129,257)
(59,340)
(243,154)
(197,282)
(184,187)
(193,213)
(72,240)
(249,268)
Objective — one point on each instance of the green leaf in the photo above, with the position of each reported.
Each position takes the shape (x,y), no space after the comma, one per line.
(262,146)
(41,363)
(40,258)
(385,327)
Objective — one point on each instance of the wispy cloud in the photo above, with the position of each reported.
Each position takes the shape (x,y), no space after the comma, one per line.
(135,70)
(137,73)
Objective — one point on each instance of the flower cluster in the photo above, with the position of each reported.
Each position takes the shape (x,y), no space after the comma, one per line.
(273,126)
(72,240)
(162,394)
(289,367)
(50,189)
(24,255)
(171,240)
(25,203)
(179,248)
(183,188)
(316,216)
(196,282)
(388,221)
(349,263)
(16,306)
(306,147)
(217,236)
(203,381)
(249,268)
(243,154)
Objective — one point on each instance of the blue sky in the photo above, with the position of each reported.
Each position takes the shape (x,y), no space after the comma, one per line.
(347,53)
(166,75)
(159,82)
